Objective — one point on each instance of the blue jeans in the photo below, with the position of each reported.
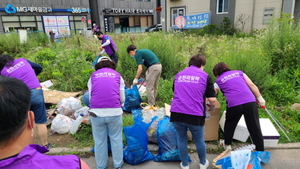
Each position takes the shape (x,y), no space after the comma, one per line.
(198,137)
(111,126)
(38,106)
(86,99)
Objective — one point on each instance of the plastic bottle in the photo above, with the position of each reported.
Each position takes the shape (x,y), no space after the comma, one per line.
(76,124)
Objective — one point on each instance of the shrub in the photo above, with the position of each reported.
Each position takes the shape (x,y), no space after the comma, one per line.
(281,43)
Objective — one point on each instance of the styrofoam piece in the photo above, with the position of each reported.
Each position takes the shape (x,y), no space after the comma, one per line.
(269,132)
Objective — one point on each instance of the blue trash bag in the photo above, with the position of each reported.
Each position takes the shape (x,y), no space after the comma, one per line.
(167,142)
(259,156)
(256,158)
(96,60)
(136,113)
(132,99)
(137,141)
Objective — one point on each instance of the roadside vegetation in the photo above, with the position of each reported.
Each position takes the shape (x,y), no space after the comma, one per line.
(270,57)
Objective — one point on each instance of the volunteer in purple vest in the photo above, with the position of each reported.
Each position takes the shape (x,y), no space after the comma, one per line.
(16,132)
(108,46)
(95,28)
(191,88)
(106,88)
(241,95)
(22,70)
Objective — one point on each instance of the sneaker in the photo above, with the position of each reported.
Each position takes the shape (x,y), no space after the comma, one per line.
(182,167)
(204,166)
(48,146)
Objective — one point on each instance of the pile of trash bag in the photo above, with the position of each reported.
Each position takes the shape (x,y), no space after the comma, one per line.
(69,109)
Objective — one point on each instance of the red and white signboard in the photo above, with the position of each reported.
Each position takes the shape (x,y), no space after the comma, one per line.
(180,21)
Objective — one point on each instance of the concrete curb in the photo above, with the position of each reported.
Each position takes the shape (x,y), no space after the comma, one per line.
(154,148)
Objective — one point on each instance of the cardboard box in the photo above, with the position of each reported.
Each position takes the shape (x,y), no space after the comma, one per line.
(211,132)
(241,132)
(269,132)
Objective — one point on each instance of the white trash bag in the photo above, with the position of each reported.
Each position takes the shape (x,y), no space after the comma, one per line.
(61,124)
(68,106)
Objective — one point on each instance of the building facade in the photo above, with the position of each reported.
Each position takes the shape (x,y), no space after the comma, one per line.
(60,16)
(244,14)
(122,16)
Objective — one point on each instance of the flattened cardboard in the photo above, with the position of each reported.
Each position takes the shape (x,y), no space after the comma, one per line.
(54,97)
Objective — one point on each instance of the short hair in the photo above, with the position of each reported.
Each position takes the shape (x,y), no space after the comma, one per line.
(105,63)
(130,48)
(99,33)
(15,99)
(197,60)
(5,60)
(220,68)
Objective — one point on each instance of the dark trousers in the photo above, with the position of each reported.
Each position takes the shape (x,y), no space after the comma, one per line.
(250,112)
(114,57)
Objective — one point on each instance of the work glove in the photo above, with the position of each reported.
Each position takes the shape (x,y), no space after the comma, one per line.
(261,101)
(135,81)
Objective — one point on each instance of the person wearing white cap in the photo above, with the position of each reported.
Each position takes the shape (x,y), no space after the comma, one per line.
(106,91)
(95,28)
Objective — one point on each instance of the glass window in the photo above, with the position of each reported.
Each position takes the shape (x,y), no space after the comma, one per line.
(27,18)
(71,18)
(11,24)
(72,25)
(131,21)
(79,25)
(137,21)
(40,26)
(77,18)
(150,21)
(10,18)
(117,20)
(175,13)
(28,24)
(38,18)
(222,6)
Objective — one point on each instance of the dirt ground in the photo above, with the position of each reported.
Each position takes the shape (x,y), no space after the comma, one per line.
(58,140)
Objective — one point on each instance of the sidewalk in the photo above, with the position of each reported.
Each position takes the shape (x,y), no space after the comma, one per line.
(154,148)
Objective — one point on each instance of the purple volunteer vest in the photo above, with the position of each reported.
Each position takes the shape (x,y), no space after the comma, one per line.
(31,157)
(108,48)
(234,86)
(105,92)
(23,71)
(189,91)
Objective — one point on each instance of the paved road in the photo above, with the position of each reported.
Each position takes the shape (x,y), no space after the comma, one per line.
(281,159)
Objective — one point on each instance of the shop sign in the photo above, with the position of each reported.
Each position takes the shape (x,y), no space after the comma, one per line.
(80,10)
(128,11)
(11,9)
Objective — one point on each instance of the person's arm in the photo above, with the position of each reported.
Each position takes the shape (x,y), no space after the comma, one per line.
(255,90)
(102,51)
(89,85)
(216,88)
(106,43)
(252,86)
(139,71)
(36,67)
(122,91)
(83,165)
(210,92)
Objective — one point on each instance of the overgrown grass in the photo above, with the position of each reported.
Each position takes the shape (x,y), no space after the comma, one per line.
(270,59)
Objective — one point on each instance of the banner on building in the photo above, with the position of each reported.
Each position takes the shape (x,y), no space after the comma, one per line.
(57,24)
(192,21)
